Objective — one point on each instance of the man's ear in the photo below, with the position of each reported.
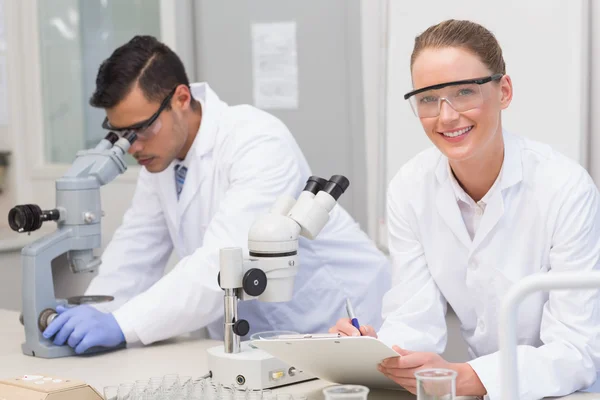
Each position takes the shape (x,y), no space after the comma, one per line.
(182,97)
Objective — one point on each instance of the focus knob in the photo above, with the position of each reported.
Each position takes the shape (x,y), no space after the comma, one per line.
(254,282)
(241,327)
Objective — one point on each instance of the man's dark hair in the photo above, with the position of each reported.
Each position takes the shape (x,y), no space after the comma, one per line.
(145,61)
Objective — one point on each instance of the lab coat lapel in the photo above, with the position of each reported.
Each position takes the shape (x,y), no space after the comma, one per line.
(166,184)
(512,174)
(447,205)
(493,212)
(212,110)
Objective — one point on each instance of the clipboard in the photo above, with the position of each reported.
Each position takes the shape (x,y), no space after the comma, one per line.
(331,357)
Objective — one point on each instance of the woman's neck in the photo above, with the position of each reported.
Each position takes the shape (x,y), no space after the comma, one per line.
(477,174)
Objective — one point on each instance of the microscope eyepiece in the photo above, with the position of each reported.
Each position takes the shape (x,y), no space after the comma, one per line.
(112,137)
(131,136)
(29,217)
(336,186)
(314,184)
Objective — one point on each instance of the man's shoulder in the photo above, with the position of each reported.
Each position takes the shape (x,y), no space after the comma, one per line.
(248,118)
(245,125)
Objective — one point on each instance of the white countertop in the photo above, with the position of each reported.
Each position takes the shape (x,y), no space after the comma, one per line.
(181,356)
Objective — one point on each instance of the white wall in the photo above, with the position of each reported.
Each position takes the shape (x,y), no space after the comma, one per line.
(373,31)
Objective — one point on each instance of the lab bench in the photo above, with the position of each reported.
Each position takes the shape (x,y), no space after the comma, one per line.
(183,355)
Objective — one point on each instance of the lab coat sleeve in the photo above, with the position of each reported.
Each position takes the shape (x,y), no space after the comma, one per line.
(188,298)
(414,308)
(570,355)
(136,256)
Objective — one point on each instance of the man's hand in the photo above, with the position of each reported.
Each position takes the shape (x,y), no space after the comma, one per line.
(83,327)
(345,327)
(402,371)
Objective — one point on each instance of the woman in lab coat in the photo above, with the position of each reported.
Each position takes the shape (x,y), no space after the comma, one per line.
(472,216)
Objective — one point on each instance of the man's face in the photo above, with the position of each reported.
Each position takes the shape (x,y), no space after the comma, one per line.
(159,144)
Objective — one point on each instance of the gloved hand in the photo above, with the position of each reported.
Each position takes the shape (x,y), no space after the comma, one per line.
(83,327)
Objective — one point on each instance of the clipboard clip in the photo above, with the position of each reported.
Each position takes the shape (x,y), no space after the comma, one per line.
(311,336)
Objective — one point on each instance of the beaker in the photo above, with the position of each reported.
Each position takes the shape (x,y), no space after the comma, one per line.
(254,394)
(197,391)
(436,384)
(125,390)
(346,392)
(110,392)
(170,384)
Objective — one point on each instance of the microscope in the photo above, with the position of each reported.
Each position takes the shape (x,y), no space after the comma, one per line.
(77,214)
(268,275)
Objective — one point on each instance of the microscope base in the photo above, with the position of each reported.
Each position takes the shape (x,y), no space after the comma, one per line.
(47,351)
(52,351)
(252,368)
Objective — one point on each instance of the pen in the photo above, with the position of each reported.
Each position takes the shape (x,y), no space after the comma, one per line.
(352,316)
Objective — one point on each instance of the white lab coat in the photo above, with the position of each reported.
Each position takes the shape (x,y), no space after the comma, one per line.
(240,162)
(542,218)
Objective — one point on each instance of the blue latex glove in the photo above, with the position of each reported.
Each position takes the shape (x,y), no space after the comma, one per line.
(83,327)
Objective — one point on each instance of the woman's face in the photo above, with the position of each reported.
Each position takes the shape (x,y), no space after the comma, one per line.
(462,134)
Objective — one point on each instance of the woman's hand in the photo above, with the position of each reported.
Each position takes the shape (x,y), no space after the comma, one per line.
(345,327)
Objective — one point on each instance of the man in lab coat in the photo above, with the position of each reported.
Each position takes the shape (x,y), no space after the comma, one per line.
(208,171)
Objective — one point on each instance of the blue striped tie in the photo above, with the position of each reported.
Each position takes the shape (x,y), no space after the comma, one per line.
(180,171)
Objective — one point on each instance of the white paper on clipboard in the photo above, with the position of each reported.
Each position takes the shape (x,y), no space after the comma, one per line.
(344,360)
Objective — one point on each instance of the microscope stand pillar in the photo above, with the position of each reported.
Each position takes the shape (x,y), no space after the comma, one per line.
(38,292)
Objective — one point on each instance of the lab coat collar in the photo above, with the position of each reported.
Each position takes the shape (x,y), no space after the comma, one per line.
(513,164)
(511,174)
(212,110)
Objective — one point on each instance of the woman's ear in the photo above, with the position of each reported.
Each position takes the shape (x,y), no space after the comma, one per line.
(506,91)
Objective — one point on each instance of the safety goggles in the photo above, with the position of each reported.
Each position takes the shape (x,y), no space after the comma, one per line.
(463,95)
(147,128)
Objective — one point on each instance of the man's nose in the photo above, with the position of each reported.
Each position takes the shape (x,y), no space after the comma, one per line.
(135,147)
(447,112)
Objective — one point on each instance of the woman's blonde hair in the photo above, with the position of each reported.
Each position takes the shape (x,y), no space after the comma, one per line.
(463,34)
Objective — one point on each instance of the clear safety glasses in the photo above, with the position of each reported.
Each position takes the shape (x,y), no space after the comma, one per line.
(145,129)
(463,95)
